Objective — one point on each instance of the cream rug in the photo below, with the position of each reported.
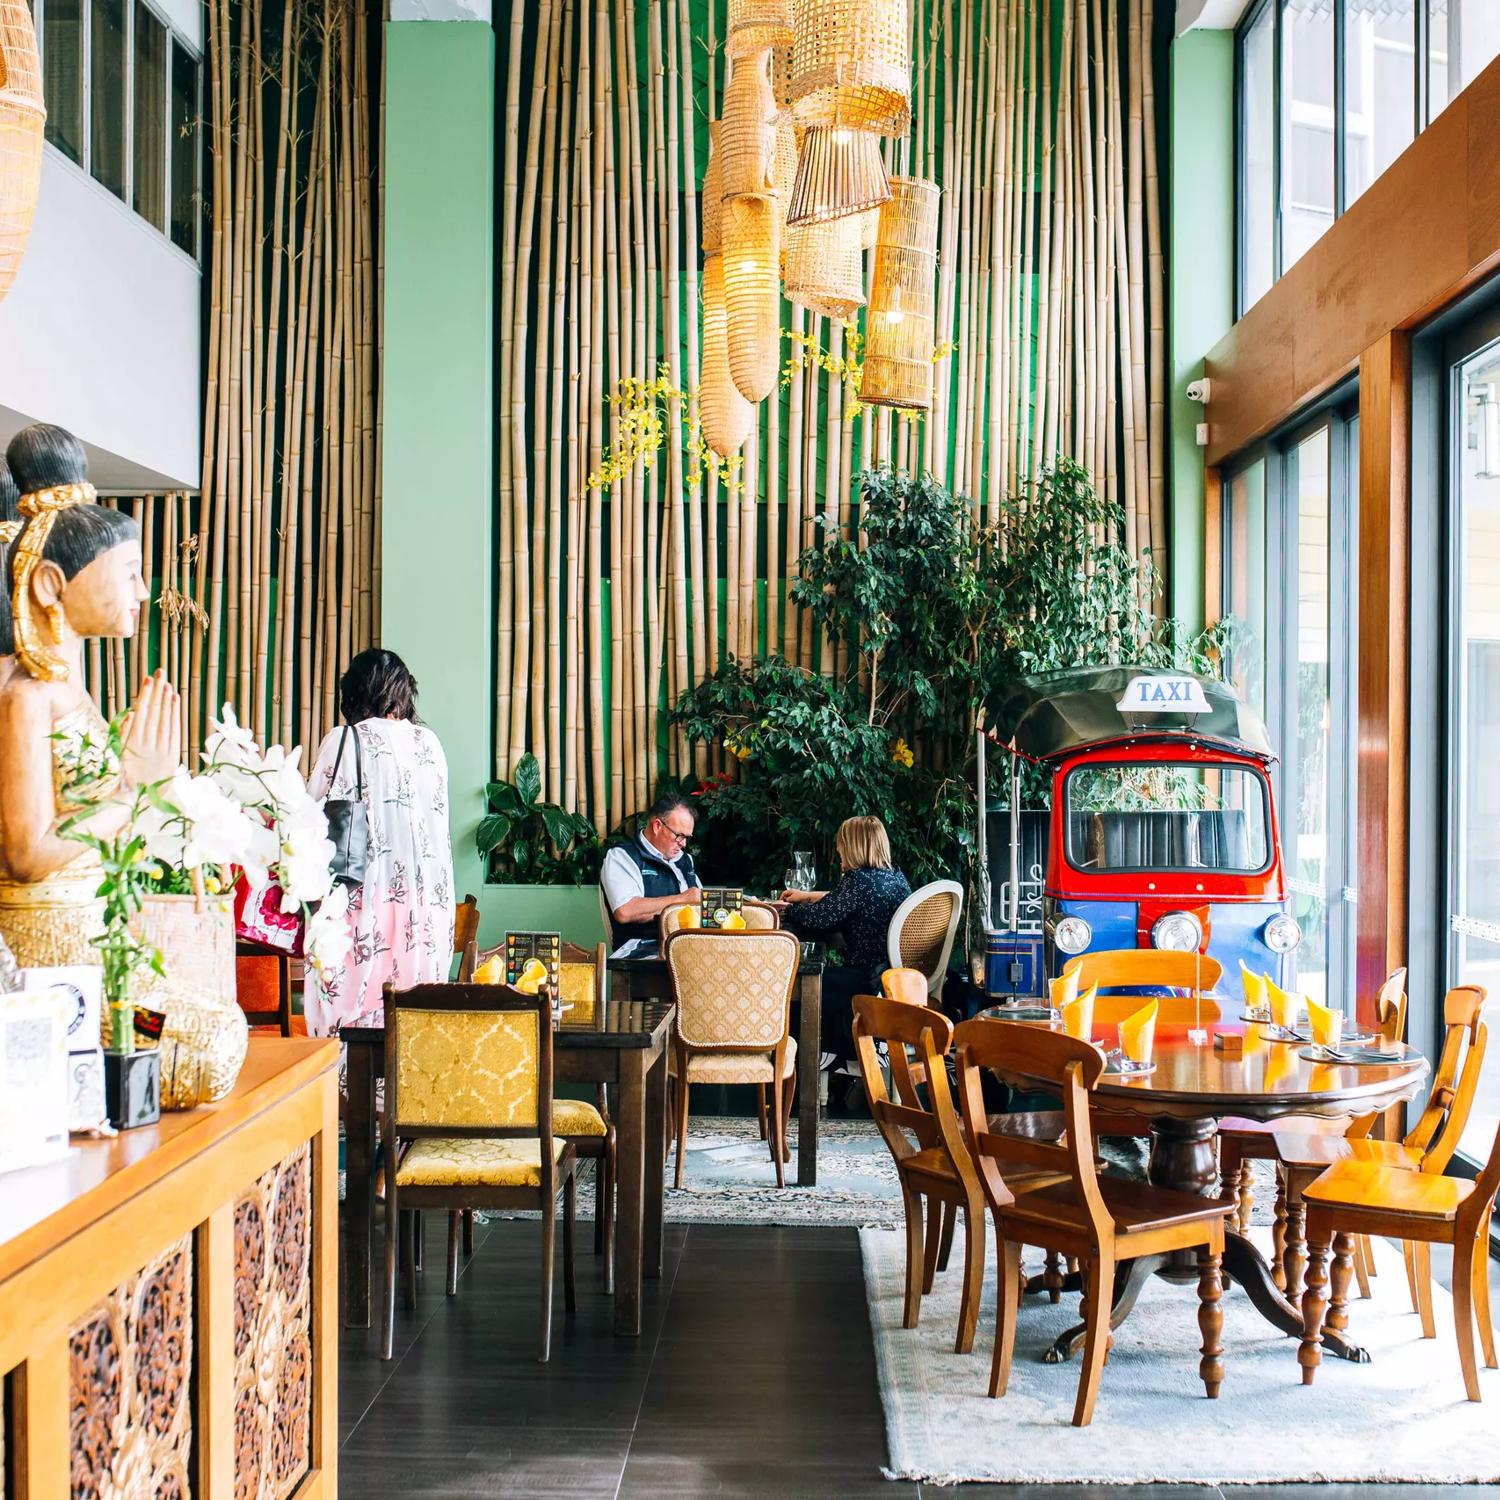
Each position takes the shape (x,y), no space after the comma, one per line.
(1401,1417)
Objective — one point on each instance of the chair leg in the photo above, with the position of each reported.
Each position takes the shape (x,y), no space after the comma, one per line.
(1007,1295)
(950,1221)
(388,1288)
(1098,1300)
(1245,1197)
(1278,1240)
(1463,1309)
(913,1308)
(1229,1167)
(1423,1258)
(1294,1258)
(1211,1320)
(416,1239)
(1338,1282)
(454,1235)
(1482,1296)
(968,1309)
(1314,1303)
(760,1105)
(1052,1277)
(412,1236)
(607,1188)
(1364,1263)
(778,1135)
(682,1122)
(549,1245)
(788,1093)
(935,1212)
(1409,1256)
(570,1214)
(468,1218)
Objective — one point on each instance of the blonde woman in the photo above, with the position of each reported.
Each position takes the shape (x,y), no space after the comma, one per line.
(854,916)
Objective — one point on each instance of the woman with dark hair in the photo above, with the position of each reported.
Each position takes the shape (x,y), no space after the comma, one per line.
(402,914)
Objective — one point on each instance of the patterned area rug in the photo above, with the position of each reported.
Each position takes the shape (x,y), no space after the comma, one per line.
(1403,1417)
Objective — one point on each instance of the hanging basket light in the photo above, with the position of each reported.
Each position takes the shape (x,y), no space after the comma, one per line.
(839,172)
(899,332)
(22,118)
(725,415)
(781,74)
(756,25)
(785,175)
(851,64)
(747,131)
(824,267)
(752,294)
(713,194)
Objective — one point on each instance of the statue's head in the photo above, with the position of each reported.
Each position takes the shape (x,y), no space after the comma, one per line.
(75,569)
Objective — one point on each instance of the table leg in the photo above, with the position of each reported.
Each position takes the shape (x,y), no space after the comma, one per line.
(630,1190)
(359,1184)
(809,1045)
(1130,1279)
(655,1159)
(1248,1269)
(1182,1158)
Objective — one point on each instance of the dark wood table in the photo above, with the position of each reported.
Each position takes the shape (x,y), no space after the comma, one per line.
(1190,1090)
(626,1047)
(644,975)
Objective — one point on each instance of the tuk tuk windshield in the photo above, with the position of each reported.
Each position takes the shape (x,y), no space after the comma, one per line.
(1168,817)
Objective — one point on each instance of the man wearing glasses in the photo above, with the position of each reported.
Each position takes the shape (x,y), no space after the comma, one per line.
(641,878)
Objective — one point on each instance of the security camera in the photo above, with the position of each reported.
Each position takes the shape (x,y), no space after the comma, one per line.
(1198,390)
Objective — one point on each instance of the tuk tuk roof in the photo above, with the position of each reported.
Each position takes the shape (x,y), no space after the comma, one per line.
(1054,714)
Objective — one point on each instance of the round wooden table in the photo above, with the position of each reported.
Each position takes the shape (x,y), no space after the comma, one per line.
(1191,1088)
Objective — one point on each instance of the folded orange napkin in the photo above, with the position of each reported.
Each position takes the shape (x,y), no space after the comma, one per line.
(1064,989)
(1078,1015)
(1138,1034)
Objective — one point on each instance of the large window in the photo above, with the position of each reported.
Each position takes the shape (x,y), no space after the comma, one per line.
(123,98)
(1330,92)
(1289,551)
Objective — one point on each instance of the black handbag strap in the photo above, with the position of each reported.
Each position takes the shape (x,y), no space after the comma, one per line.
(359,765)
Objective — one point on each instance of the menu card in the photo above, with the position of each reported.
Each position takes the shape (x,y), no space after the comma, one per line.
(719,902)
(525,949)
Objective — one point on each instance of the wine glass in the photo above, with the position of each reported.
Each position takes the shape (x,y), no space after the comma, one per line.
(788,881)
(805,872)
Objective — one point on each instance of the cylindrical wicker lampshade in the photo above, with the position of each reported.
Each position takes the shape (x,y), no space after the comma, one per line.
(22,116)
(899,337)
(725,415)
(747,131)
(786,173)
(839,172)
(752,294)
(851,64)
(824,267)
(781,74)
(869,228)
(713,194)
(756,25)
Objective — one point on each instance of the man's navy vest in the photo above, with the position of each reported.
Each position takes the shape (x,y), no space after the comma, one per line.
(657,876)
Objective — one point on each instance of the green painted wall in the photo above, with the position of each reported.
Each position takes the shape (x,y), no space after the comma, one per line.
(438,412)
(1200,239)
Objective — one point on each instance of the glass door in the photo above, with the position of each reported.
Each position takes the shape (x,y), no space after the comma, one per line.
(1473,783)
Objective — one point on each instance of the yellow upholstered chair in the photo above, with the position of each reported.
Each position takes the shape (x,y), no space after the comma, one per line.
(922,931)
(734,998)
(468,1095)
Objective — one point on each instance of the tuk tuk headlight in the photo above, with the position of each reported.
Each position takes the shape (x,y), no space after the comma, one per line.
(1072,935)
(1177,932)
(1281,934)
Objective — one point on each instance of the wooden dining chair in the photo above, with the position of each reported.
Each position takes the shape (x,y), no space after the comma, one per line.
(1242,1141)
(1302,1156)
(733,1025)
(465,925)
(1102,1222)
(468,1094)
(263,987)
(1357,1197)
(587,1127)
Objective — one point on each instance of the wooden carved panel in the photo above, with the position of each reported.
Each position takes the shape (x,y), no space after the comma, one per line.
(272,1344)
(130,1378)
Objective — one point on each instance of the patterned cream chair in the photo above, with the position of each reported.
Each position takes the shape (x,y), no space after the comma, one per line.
(734,998)
(922,931)
(468,1094)
(760,916)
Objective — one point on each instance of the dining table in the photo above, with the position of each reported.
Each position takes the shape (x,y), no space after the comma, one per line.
(1190,1088)
(642,974)
(623,1045)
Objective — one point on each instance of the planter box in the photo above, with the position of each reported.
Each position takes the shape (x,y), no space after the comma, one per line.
(572,910)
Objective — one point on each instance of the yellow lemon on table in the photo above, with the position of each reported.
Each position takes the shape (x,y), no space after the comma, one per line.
(687,916)
(1078,1015)
(491,971)
(532,976)
(734,922)
(1255,988)
(1138,1035)
(1065,989)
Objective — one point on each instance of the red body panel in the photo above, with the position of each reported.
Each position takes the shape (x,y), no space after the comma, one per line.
(1163,890)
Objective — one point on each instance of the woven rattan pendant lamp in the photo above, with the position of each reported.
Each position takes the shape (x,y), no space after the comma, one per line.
(851,64)
(839,172)
(747,131)
(785,175)
(899,336)
(22,117)
(757,25)
(752,294)
(725,415)
(825,267)
(713,195)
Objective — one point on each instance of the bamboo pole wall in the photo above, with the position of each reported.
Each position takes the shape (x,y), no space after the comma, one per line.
(1038,120)
(267,582)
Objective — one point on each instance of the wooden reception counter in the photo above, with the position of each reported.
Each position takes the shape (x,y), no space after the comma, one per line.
(169,1300)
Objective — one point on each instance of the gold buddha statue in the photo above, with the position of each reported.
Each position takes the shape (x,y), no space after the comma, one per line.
(72,571)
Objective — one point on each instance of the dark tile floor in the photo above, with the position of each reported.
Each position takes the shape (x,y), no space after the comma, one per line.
(754,1376)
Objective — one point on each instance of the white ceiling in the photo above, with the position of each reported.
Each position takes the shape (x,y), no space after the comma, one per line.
(1204,15)
(108,472)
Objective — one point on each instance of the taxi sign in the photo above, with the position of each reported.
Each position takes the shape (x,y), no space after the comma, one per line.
(1163,695)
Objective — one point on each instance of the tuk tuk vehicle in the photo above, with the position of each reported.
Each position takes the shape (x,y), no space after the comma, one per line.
(1161,831)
